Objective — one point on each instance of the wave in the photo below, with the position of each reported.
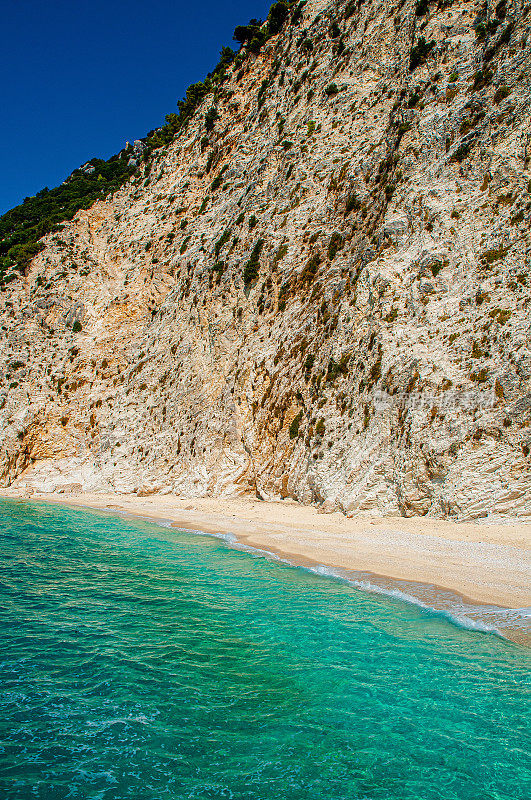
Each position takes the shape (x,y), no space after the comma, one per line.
(478,618)
(454,616)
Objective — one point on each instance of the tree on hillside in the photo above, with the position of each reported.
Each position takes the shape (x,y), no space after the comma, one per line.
(245,33)
(277,16)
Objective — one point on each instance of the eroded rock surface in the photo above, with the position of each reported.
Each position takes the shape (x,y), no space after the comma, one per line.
(380,360)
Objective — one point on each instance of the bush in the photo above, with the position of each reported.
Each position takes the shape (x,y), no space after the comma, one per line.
(251,35)
(335,368)
(250,272)
(210,118)
(260,97)
(420,52)
(501,93)
(462,151)
(336,243)
(393,314)
(76,327)
(255,45)
(476,350)
(353,204)
(350,8)
(226,57)
(294,427)
(495,254)
(403,128)
(310,270)
(331,89)
(193,98)
(480,376)
(422,7)
(222,241)
(278,14)
(297,14)
(308,364)
(482,78)
(281,252)
(501,315)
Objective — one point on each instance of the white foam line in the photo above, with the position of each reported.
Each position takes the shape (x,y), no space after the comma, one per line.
(457,619)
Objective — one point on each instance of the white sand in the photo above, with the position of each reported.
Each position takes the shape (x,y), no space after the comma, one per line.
(487,562)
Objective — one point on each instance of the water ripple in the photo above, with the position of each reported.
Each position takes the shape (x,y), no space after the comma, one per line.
(147,663)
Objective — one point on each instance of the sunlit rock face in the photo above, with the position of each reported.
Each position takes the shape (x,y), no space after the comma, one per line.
(324,297)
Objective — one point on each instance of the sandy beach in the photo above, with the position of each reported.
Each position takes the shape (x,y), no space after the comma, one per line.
(487,563)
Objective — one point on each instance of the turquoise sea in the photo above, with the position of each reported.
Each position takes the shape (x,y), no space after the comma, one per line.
(137,661)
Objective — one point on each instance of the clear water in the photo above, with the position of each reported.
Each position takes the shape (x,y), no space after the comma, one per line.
(142,662)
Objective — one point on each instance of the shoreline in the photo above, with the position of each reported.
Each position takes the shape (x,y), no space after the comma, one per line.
(480,569)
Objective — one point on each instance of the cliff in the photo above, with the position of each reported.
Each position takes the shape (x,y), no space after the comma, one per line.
(318,289)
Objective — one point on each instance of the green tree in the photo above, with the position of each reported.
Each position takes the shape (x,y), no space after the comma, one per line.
(278,14)
(245,33)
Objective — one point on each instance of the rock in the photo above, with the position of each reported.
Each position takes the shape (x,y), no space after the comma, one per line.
(193,363)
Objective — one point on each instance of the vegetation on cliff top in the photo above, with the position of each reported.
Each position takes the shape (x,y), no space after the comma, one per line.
(22,228)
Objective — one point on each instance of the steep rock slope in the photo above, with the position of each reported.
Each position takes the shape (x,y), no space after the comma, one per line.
(323,295)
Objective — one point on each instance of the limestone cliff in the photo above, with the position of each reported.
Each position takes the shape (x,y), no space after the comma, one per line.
(321,294)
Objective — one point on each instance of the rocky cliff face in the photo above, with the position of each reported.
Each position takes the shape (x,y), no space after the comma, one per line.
(323,297)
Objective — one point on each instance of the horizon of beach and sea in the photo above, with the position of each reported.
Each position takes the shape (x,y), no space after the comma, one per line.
(476,574)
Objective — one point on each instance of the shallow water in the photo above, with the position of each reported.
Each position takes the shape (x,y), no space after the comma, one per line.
(143,662)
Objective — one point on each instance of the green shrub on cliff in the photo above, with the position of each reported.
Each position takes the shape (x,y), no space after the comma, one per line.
(210,118)
(250,272)
(222,241)
(294,427)
(420,52)
(278,14)
(335,244)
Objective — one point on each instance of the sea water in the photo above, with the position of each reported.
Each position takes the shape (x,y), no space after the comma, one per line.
(138,661)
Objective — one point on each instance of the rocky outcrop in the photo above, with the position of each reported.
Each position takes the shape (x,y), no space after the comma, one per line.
(323,296)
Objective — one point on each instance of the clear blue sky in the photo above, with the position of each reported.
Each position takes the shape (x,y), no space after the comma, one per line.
(81,77)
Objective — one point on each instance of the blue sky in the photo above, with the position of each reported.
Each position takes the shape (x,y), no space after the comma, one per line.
(80,78)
